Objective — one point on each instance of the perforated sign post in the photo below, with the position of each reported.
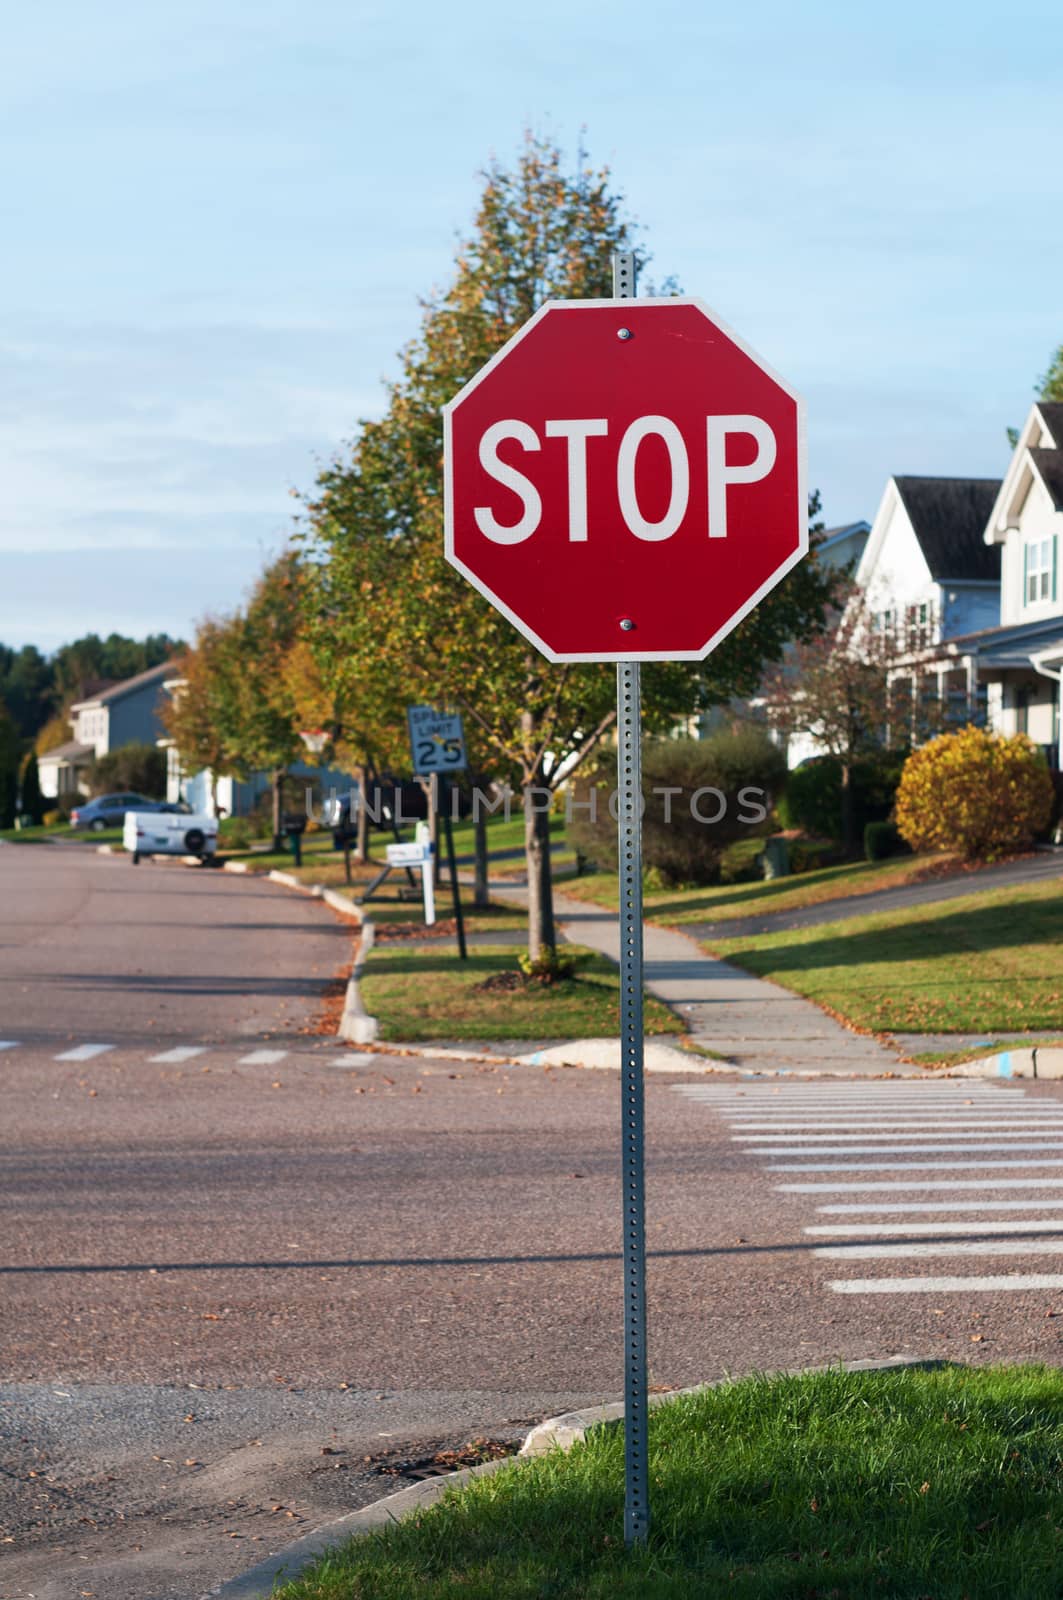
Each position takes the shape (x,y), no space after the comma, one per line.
(624,481)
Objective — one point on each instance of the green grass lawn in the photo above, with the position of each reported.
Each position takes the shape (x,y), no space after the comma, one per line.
(724,902)
(982,963)
(903,1485)
(430,994)
(61,830)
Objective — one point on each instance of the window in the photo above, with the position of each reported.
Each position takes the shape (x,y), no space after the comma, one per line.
(1040,583)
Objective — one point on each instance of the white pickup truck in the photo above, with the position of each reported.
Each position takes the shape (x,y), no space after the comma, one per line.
(169,833)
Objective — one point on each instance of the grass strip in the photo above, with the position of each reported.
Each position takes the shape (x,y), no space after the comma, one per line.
(428,993)
(981,963)
(725,902)
(896,1485)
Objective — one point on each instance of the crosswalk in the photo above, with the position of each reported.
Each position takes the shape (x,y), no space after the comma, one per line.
(919,1180)
(180,1055)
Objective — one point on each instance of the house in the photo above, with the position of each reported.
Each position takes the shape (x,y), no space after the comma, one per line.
(1023,661)
(843,546)
(1007,672)
(117,714)
(926,571)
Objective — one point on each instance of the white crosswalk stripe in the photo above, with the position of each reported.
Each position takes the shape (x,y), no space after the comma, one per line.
(897,1166)
(263,1058)
(933,1183)
(1010,1282)
(941,1205)
(186,1052)
(916,1136)
(9,1044)
(864,1230)
(85,1052)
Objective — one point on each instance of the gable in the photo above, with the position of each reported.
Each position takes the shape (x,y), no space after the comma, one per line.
(949,517)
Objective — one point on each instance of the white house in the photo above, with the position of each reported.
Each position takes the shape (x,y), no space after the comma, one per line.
(121,713)
(926,570)
(1023,661)
(1009,670)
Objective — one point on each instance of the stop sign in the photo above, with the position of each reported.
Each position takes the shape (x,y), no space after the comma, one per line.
(624,480)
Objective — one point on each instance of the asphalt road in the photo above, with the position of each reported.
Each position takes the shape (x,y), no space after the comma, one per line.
(227,1280)
(92,947)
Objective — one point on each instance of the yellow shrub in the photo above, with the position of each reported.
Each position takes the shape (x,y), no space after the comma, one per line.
(976,792)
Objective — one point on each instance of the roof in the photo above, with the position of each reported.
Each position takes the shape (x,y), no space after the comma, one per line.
(843,531)
(71,751)
(949,516)
(1049,467)
(118,691)
(1052,415)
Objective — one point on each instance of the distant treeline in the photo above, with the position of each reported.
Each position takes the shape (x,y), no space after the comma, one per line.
(36,688)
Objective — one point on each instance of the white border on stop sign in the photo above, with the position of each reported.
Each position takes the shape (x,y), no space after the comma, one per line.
(626,654)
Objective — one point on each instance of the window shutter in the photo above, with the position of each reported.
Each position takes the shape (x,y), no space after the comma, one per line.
(1025,574)
(1055,561)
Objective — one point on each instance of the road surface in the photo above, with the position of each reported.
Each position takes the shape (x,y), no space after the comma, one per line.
(233,1268)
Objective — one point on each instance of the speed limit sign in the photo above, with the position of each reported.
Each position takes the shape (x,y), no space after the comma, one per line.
(437,740)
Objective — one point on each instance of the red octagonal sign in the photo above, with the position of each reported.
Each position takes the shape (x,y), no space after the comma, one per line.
(625,480)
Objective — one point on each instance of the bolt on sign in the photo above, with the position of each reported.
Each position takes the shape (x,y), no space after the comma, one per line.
(624,481)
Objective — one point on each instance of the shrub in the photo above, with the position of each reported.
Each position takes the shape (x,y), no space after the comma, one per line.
(881,840)
(976,792)
(52,819)
(813,797)
(811,855)
(685,827)
(140,767)
(235,832)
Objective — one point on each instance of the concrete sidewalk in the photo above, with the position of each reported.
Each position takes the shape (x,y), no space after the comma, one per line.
(757,1025)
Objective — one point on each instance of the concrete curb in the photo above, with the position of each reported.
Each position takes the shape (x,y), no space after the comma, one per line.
(356,1025)
(1023,1063)
(556,1433)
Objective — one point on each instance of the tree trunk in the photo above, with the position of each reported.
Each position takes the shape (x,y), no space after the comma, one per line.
(542,939)
(481,896)
(848,829)
(278,811)
(361,848)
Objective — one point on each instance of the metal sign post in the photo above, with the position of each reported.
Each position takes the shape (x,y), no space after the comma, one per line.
(599,550)
(629,828)
(437,747)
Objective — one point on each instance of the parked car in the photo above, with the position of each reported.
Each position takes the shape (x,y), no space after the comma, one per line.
(108,810)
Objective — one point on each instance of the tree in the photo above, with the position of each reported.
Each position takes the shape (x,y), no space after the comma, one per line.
(10,751)
(140,767)
(31,799)
(202,713)
(56,731)
(375,521)
(91,659)
(836,689)
(26,687)
(267,723)
(1050,384)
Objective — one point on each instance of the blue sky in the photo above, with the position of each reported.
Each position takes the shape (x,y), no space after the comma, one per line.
(218,219)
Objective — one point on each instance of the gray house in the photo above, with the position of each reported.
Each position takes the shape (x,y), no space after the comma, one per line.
(122,713)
